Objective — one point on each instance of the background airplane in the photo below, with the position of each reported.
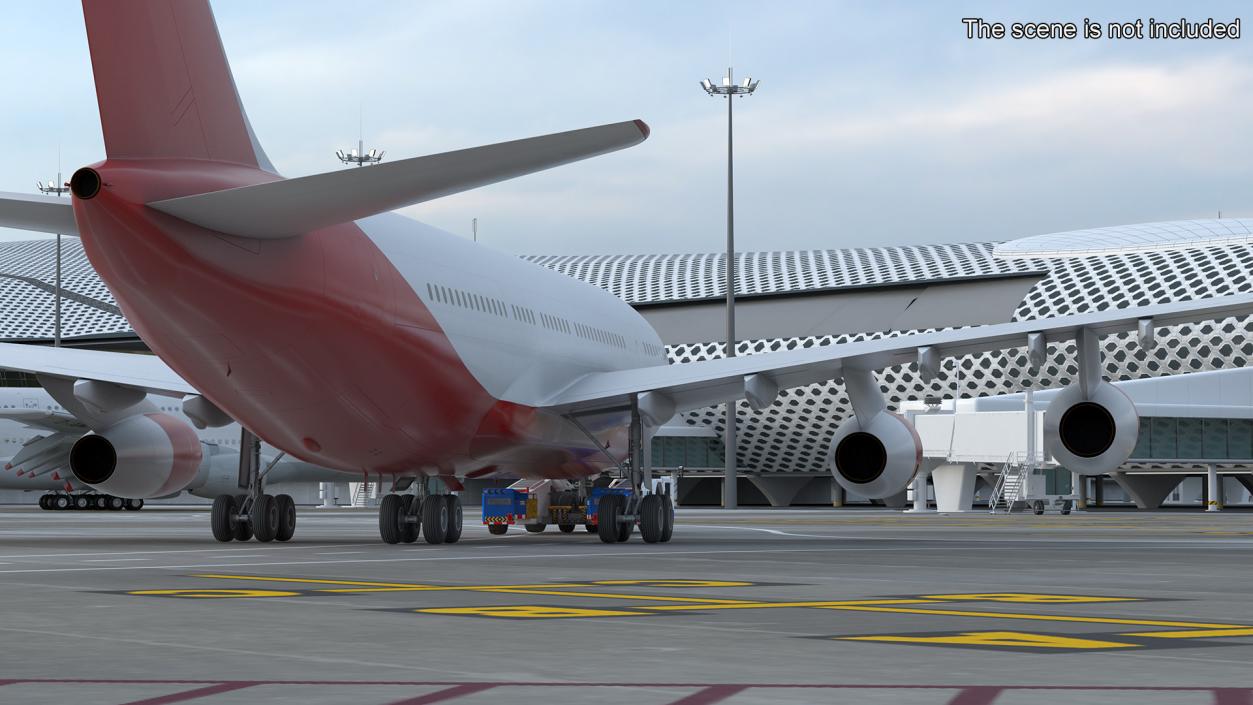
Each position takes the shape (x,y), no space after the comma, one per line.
(37,434)
(356,339)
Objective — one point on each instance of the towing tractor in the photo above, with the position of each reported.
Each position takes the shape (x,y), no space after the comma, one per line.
(611,512)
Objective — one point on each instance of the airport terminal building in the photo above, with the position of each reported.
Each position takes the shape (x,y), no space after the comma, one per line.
(803,299)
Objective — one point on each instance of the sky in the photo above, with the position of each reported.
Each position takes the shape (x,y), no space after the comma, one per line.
(875,123)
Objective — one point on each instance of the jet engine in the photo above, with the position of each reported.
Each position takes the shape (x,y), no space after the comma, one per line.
(1094,434)
(877,459)
(146,455)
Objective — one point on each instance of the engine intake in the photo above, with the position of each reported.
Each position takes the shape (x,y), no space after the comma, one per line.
(1091,436)
(148,455)
(876,461)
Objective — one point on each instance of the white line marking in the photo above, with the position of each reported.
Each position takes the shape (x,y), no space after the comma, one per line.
(660,553)
(112,560)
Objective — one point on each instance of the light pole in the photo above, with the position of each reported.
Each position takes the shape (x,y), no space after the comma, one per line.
(57,187)
(727,90)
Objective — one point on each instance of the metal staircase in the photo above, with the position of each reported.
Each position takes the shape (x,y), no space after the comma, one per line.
(1009,485)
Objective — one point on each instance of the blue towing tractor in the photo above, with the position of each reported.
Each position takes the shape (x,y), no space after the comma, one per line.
(612,512)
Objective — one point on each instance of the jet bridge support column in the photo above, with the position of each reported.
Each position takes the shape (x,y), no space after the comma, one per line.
(1213,495)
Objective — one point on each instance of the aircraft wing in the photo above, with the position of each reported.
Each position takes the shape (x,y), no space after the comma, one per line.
(55,421)
(698,384)
(45,214)
(146,372)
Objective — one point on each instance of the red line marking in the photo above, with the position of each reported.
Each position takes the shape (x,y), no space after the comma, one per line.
(192,694)
(1233,696)
(976,695)
(440,696)
(712,694)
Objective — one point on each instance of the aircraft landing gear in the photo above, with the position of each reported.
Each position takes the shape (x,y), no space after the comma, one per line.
(436,517)
(55,501)
(240,517)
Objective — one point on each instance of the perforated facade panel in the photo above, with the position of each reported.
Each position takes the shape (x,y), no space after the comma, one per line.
(792,435)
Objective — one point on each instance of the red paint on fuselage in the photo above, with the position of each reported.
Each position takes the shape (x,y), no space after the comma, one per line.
(316,343)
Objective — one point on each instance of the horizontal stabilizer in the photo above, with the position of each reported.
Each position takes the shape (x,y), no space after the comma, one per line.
(44,214)
(290,207)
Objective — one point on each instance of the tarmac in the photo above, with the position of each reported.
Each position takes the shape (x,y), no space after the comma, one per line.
(751,606)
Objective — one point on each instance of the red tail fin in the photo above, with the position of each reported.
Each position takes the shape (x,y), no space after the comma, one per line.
(163,83)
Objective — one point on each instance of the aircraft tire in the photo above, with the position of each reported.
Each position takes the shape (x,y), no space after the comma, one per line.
(286,517)
(434,519)
(134,505)
(264,518)
(407,531)
(497,529)
(389,518)
(536,528)
(220,518)
(61,501)
(452,533)
(652,521)
(242,529)
(607,513)
(668,515)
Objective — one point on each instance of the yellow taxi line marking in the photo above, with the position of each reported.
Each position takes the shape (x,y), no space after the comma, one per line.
(765,605)
(1038,617)
(617,596)
(1027,598)
(315,581)
(1013,639)
(1195,634)
(380,586)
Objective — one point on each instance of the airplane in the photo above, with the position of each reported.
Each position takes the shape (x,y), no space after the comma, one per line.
(353,338)
(37,434)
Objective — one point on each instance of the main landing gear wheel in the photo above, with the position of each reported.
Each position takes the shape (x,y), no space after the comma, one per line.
(61,502)
(242,528)
(264,518)
(115,504)
(434,519)
(608,516)
(390,516)
(497,529)
(452,530)
(44,502)
(286,517)
(409,530)
(220,518)
(652,519)
(82,502)
(134,505)
(667,514)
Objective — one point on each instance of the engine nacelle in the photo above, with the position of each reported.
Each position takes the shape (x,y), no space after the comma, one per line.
(877,460)
(1094,435)
(142,456)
